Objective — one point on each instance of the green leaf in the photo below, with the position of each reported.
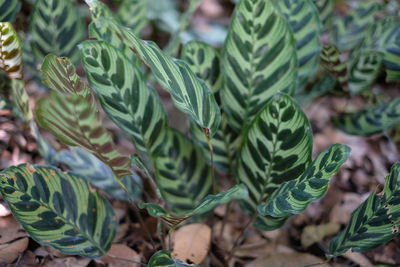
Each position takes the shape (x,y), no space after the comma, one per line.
(163,258)
(351,29)
(330,60)
(204,61)
(133,14)
(99,10)
(371,120)
(190,94)
(294,196)
(56,28)
(325,9)
(124,95)
(320,87)
(182,175)
(259,60)
(363,71)
(304,21)
(9,10)
(59,209)
(276,149)
(21,99)
(95,172)
(70,113)
(10,51)
(375,222)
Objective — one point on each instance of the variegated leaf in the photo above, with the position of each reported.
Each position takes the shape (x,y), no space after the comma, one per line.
(133,14)
(59,209)
(375,222)
(9,10)
(21,99)
(325,9)
(276,149)
(124,95)
(330,60)
(304,21)
(71,115)
(371,120)
(56,28)
(163,258)
(99,10)
(294,196)
(10,51)
(258,61)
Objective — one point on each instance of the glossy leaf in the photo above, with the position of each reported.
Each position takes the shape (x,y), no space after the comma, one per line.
(305,23)
(71,115)
(163,258)
(190,94)
(375,222)
(371,120)
(294,196)
(59,209)
(9,10)
(330,60)
(133,14)
(10,51)
(124,95)
(57,28)
(276,149)
(259,60)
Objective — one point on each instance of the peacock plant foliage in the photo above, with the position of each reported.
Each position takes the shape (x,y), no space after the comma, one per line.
(243,120)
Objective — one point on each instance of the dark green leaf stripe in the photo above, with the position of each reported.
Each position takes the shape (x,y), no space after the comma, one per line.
(163,258)
(371,120)
(182,174)
(21,99)
(375,222)
(259,60)
(59,209)
(330,60)
(124,95)
(204,61)
(70,113)
(325,9)
(350,30)
(133,14)
(304,21)
(190,94)
(10,51)
(294,196)
(363,71)
(99,9)
(276,149)
(56,28)
(9,10)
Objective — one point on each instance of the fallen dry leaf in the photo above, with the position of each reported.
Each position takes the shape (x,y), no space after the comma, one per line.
(287,260)
(123,252)
(10,252)
(260,249)
(191,243)
(10,230)
(358,258)
(67,262)
(315,233)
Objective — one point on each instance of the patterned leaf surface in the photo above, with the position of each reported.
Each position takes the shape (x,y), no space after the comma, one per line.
(10,51)
(21,99)
(375,222)
(9,10)
(182,174)
(204,61)
(71,115)
(56,28)
(124,95)
(330,60)
(294,196)
(259,60)
(133,14)
(163,258)
(305,23)
(321,86)
(59,209)
(99,10)
(276,149)
(190,94)
(325,9)
(363,71)
(95,172)
(370,120)
(350,30)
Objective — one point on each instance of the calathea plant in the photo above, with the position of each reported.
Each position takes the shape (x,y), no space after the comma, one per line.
(239,101)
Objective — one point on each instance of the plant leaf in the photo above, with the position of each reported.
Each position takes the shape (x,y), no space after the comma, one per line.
(56,28)
(189,93)
(276,149)
(21,99)
(125,96)
(9,10)
(294,196)
(133,14)
(371,120)
(163,258)
(375,222)
(326,14)
(59,209)
(330,60)
(99,10)
(10,51)
(259,60)
(71,115)
(304,21)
